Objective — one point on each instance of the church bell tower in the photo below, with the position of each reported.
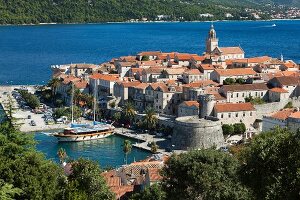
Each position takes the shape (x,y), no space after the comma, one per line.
(212,41)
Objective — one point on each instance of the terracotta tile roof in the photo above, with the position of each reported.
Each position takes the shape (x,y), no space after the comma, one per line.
(233,107)
(127,84)
(193,72)
(184,56)
(150,63)
(295,115)
(200,84)
(111,178)
(122,190)
(279,90)
(283,114)
(231,50)
(198,58)
(175,71)
(68,79)
(154,174)
(218,96)
(290,65)
(142,86)
(80,84)
(136,70)
(156,85)
(127,64)
(206,67)
(286,80)
(150,53)
(245,87)
(128,58)
(106,77)
(236,72)
(153,70)
(261,59)
(191,103)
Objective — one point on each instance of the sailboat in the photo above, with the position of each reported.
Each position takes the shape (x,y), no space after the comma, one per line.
(273,25)
(84,132)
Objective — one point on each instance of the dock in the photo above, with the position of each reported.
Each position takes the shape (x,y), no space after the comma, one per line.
(142,139)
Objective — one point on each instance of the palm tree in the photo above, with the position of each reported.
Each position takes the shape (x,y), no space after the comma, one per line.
(54,84)
(62,154)
(154,147)
(126,149)
(150,118)
(129,111)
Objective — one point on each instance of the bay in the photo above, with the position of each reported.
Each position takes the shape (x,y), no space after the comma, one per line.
(26,52)
(107,152)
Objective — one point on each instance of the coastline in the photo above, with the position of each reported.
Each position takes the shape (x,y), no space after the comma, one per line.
(145,22)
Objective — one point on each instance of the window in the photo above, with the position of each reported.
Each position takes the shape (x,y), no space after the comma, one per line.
(222,115)
(244,114)
(237,114)
(262,94)
(250,113)
(237,94)
(231,95)
(243,95)
(229,115)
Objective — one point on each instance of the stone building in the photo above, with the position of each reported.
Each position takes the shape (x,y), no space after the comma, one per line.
(194,133)
(238,93)
(231,113)
(188,108)
(219,75)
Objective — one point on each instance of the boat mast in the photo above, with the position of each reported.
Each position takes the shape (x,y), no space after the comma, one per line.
(95,101)
(72,102)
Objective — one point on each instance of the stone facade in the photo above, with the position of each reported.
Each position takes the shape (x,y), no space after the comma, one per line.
(194,133)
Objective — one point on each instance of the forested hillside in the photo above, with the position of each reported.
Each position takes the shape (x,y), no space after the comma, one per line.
(80,11)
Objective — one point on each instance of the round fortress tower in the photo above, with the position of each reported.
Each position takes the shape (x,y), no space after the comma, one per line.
(206,103)
(194,133)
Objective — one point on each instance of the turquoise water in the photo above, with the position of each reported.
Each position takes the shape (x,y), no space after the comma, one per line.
(26,52)
(107,151)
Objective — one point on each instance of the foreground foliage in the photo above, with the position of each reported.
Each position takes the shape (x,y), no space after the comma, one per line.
(26,174)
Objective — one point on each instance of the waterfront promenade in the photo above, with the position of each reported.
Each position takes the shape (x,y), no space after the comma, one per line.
(143,140)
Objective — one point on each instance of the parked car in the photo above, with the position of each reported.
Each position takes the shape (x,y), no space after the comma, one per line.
(32,123)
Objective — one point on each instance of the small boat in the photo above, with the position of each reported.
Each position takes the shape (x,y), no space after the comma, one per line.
(273,25)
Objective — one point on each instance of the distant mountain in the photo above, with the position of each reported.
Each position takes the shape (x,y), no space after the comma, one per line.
(82,11)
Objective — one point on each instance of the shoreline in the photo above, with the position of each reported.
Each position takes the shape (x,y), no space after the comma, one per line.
(145,22)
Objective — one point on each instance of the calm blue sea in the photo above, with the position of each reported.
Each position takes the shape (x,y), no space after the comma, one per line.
(108,152)
(26,52)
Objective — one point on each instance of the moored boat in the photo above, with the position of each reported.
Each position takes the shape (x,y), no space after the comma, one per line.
(85,133)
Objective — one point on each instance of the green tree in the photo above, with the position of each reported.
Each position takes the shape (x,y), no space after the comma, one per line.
(154,192)
(62,155)
(289,105)
(228,129)
(129,111)
(54,84)
(145,58)
(126,149)
(203,174)
(7,191)
(229,81)
(239,128)
(150,118)
(271,165)
(86,182)
(117,116)
(240,81)
(154,147)
(24,168)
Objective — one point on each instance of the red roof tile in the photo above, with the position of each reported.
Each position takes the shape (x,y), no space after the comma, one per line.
(233,107)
